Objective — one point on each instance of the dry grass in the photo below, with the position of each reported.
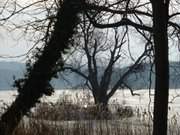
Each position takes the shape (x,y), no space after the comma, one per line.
(68,118)
(98,127)
(123,126)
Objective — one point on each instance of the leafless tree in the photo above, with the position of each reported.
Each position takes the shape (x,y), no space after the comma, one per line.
(155,17)
(98,54)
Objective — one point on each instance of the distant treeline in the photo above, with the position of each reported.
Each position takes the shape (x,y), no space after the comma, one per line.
(141,77)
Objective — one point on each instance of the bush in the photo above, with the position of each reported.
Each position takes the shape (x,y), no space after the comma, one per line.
(126,111)
(69,111)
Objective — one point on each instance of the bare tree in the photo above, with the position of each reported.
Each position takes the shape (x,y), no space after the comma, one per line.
(139,14)
(99,54)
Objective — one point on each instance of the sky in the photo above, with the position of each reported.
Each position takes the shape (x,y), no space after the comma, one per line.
(14,44)
(11,46)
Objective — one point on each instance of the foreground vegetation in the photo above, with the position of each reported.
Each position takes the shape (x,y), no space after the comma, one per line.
(66,117)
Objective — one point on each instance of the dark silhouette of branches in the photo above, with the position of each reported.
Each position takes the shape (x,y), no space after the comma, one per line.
(36,81)
(98,78)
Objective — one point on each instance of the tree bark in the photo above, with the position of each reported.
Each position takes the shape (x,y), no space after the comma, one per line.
(37,80)
(160,21)
(101,100)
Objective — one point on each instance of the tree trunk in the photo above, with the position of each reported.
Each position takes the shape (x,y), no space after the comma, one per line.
(37,80)
(160,20)
(101,108)
(100,98)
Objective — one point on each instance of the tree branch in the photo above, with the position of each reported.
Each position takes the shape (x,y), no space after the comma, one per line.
(76,71)
(131,90)
(108,9)
(122,22)
(121,80)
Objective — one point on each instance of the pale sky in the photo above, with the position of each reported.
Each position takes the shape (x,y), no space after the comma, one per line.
(10,45)
(14,44)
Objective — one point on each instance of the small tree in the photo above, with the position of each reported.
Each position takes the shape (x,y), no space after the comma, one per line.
(99,54)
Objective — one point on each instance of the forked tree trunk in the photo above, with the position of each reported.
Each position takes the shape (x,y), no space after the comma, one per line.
(160,20)
(36,83)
